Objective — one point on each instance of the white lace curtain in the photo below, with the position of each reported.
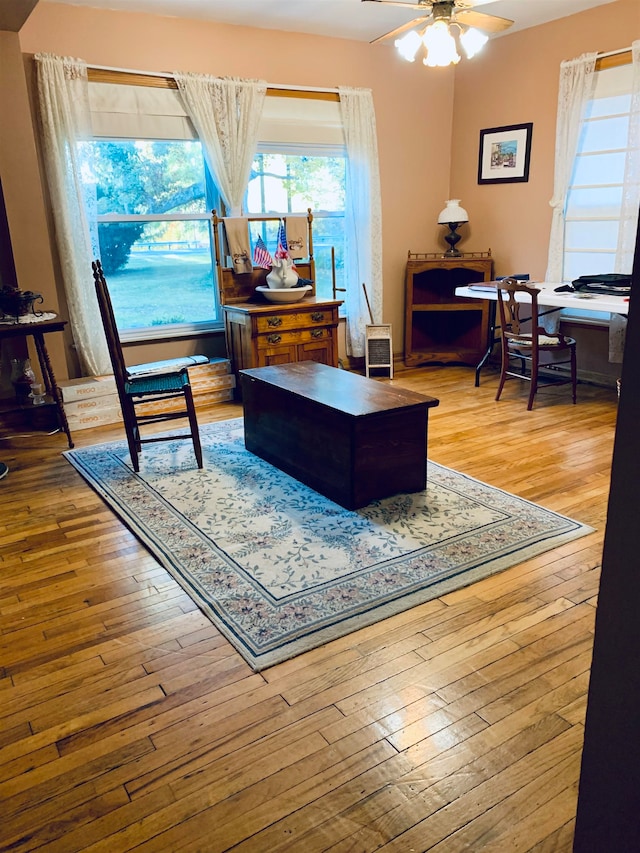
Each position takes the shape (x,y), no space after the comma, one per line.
(577,82)
(64,111)
(226,115)
(363,216)
(631,188)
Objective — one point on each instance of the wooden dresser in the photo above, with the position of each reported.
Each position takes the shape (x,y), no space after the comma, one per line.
(261,333)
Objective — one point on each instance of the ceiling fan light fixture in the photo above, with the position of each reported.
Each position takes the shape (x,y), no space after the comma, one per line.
(444,29)
(472,41)
(408,45)
(440,45)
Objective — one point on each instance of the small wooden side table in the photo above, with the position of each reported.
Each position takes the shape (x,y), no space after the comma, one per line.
(37,329)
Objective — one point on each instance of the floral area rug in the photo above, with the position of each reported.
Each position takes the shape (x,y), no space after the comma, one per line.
(279,568)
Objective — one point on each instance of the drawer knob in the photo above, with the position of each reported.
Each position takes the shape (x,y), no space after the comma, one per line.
(317,316)
(274,321)
(274,339)
(317,333)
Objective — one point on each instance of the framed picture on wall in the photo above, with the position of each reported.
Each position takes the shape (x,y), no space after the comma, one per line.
(504,154)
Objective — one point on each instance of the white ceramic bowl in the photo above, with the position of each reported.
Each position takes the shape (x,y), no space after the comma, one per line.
(284,294)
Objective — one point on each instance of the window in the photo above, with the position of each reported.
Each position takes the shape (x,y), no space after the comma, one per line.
(301,164)
(153,233)
(594,201)
(286,182)
(150,195)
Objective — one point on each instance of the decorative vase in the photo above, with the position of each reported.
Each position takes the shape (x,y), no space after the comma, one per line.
(282,274)
(22,378)
(290,276)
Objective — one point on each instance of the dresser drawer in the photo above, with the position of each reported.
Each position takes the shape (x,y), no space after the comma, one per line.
(297,320)
(299,336)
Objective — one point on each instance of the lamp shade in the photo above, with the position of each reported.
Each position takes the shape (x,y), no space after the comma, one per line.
(440,45)
(453,212)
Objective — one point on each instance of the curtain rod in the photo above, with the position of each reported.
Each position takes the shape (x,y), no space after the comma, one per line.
(613,59)
(106,74)
(128,71)
(614,52)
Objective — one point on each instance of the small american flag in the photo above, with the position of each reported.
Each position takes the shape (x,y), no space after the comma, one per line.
(261,256)
(283,249)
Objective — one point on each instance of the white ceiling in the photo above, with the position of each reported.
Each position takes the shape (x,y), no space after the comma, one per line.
(349,19)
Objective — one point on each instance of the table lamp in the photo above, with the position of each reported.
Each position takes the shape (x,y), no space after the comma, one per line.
(452,215)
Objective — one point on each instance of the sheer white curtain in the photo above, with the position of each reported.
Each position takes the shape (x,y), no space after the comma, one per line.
(64,112)
(631,188)
(363,216)
(577,82)
(226,113)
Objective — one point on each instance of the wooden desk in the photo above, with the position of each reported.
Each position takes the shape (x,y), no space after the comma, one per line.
(37,330)
(548,301)
(352,439)
(549,298)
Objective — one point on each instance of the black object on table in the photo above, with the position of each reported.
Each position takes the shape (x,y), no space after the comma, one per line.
(37,330)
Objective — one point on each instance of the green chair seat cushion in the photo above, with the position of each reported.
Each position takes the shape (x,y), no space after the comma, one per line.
(164,383)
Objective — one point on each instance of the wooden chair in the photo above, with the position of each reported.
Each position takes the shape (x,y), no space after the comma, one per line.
(146,383)
(527,346)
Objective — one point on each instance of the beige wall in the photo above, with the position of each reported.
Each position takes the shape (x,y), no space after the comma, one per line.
(427,137)
(516,81)
(22,189)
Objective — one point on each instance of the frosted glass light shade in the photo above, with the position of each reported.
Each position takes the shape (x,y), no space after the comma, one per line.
(453,212)
(440,45)
(408,45)
(473,41)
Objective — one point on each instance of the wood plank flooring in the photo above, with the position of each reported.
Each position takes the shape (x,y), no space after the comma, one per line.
(129,723)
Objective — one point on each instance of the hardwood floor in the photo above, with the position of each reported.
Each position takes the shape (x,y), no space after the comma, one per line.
(129,723)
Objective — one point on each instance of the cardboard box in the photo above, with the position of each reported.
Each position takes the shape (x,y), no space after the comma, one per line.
(86,387)
(177,403)
(100,386)
(215,367)
(93,401)
(203,386)
(86,420)
(109,402)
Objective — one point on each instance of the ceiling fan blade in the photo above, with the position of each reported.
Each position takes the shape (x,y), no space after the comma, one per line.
(416,22)
(419,6)
(488,23)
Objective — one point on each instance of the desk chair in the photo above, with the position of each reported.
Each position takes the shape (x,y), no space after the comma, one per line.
(144,383)
(529,346)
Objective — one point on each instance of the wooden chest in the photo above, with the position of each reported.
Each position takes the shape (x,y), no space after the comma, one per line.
(352,439)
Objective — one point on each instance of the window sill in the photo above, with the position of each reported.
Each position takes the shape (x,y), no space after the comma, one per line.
(149,334)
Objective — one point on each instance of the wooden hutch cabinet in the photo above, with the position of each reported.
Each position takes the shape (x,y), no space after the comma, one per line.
(440,326)
(261,333)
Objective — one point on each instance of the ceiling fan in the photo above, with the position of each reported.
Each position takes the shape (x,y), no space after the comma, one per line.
(437,17)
